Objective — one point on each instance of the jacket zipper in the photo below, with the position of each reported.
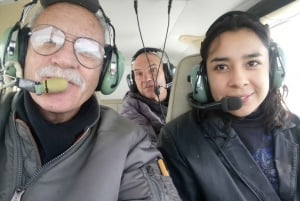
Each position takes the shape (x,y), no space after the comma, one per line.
(18,194)
(20,189)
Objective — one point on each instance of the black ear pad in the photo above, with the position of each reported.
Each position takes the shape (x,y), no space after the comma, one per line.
(169,70)
(23,44)
(277,66)
(13,49)
(131,83)
(106,60)
(112,70)
(200,87)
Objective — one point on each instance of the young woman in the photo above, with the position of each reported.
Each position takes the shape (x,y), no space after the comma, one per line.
(247,154)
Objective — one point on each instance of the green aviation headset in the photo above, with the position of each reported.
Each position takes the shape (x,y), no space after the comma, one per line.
(198,77)
(14,42)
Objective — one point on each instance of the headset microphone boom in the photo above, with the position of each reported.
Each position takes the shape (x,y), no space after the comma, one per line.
(53,85)
(226,104)
(49,86)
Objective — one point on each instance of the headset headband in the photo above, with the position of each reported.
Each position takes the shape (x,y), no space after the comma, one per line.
(91,5)
(148,50)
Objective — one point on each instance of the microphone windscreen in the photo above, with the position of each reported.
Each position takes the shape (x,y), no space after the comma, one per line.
(231,103)
(55,85)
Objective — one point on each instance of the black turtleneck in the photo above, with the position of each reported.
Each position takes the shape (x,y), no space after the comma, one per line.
(54,139)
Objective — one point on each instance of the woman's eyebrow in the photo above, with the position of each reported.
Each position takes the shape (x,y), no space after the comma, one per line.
(218,59)
(252,55)
(247,56)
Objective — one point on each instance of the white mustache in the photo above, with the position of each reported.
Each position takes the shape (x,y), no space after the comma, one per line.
(69,74)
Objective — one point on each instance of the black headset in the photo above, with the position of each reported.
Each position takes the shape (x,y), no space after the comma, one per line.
(168,67)
(14,43)
(198,77)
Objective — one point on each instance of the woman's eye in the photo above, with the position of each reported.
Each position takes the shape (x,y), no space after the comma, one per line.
(221,67)
(253,63)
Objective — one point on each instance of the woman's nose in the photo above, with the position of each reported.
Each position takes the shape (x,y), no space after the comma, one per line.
(238,77)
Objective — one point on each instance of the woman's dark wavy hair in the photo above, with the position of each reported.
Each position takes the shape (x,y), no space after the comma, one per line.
(273,107)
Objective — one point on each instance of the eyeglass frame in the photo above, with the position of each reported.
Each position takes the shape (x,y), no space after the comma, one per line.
(68,39)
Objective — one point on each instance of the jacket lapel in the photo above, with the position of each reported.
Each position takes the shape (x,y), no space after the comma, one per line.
(286,160)
(246,168)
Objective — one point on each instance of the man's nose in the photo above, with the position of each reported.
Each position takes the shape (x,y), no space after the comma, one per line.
(147,75)
(65,57)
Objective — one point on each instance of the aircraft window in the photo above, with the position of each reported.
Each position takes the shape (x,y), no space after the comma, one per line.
(286,34)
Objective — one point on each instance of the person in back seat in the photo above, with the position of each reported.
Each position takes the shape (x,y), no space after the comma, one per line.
(239,142)
(149,83)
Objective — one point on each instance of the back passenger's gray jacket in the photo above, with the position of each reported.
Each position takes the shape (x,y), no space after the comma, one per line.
(145,112)
(113,160)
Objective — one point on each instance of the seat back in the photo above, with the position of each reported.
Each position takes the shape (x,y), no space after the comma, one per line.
(178,103)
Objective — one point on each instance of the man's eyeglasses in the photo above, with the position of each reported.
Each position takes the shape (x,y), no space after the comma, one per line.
(47,40)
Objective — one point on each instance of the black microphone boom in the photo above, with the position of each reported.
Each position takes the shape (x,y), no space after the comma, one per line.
(167,86)
(226,104)
(231,103)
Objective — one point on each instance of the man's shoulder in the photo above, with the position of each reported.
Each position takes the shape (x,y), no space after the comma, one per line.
(130,99)
(110,115)
(112,120)
(131,105)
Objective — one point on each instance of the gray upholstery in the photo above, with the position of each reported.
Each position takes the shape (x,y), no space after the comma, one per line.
(178,103)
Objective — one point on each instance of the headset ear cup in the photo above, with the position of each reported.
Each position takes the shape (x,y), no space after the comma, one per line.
(172,70)
(200,88)
(106,61)
(10,46)
(167,73)
(277,65)
(112,70)
(131,83)
(5,39)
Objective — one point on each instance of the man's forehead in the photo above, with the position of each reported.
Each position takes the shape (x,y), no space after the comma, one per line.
(143,67)
(150,55)
(144,60)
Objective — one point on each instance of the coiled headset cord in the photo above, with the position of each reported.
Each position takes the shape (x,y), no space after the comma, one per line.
(156,87)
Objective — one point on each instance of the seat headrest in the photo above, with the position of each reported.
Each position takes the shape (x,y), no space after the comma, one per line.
(178,103)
